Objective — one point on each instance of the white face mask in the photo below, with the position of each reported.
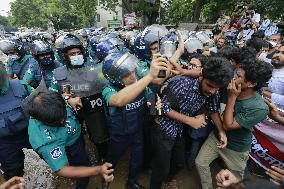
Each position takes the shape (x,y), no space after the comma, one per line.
(77,60)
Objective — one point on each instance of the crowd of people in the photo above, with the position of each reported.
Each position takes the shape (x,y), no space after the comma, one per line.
(174,98)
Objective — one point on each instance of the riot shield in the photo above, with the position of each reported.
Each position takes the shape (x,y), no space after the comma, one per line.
(86,81)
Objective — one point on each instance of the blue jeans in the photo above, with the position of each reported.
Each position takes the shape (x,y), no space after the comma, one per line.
(193,150)
(77,156)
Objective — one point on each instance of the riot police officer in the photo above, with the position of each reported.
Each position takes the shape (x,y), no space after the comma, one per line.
(18,58)
(13,125)
(55,134)
(79,76)
(125,98)
(44,66)
(108,45)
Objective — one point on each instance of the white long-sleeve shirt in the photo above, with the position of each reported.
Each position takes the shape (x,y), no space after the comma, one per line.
(276,86)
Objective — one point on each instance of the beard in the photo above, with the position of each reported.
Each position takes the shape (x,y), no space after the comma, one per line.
(276,64)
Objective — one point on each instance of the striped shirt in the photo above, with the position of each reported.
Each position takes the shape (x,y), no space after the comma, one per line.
(190,101)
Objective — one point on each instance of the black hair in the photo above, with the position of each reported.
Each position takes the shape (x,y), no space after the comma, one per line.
(256,71)
(260,34)
(227,52)
(202,58)
(257,44)
(48,108)
(218,70)
(253,184)
(245,52)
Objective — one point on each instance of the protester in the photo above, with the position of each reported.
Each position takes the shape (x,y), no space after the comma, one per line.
(101,87)
(244,109)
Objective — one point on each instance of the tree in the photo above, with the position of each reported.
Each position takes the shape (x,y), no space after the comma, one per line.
(177,11)
(148,10)
(64,14)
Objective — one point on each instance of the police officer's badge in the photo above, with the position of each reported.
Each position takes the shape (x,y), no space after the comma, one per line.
(55,153)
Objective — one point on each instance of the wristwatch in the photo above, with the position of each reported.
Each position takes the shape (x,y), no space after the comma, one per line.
(66,97)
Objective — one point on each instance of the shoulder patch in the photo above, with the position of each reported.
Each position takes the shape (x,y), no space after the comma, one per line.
(56,153)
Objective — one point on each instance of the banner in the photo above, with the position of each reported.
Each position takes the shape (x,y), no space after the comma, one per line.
(264,152)
(130,20)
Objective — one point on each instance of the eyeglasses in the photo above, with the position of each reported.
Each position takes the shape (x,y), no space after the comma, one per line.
(194,65)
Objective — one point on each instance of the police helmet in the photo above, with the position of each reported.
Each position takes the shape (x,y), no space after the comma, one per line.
(67,42)
(118,65)
(108,46)
(94,41)
(193,44)
(8,45)
(41,47)
(145,39)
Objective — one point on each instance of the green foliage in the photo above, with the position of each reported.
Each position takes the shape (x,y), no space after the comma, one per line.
(64,14)
(183,10)
(178,11)
(69,14)
(273,8)
(4,21)
(148,11)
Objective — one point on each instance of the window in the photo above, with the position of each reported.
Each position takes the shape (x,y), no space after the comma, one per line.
(98,17)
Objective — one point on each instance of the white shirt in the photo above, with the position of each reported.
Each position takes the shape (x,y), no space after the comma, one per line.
(276,86)
(264,24)
(256,17)
(271,30)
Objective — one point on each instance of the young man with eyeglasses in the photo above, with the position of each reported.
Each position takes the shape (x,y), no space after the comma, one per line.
(186,98)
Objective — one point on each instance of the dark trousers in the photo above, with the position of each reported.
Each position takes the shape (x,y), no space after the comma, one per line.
(168,158)
(98,133)
(192,150)
(11,154)
(119,145)
(148,143)
(77,156)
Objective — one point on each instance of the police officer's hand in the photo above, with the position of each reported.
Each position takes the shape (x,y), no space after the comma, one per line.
(107,172)
(158,63)
(14,183)
(75,102)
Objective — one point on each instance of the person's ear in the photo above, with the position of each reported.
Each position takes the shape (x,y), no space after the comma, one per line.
(201,75)
(251,85)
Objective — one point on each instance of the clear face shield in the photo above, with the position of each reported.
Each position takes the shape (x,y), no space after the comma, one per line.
(204,37)
(123,67)
(154,32)
(192,44)
(168,48)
